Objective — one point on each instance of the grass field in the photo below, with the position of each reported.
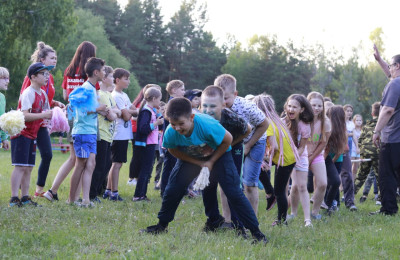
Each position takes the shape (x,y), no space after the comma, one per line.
(111,230)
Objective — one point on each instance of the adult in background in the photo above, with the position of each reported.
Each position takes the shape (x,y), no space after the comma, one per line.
(387,136)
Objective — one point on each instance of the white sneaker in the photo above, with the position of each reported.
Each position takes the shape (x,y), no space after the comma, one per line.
(378,203)
(132,182)
(307,223)
(323,205)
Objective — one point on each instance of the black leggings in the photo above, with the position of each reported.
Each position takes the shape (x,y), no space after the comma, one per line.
(265,178)
(44,145)
(333,181)
(282,175)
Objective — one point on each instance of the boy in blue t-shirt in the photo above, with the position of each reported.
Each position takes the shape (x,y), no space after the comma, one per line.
(84,134)
(200,141)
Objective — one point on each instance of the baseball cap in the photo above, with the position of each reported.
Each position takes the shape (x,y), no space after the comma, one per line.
(36,67)
(191,93)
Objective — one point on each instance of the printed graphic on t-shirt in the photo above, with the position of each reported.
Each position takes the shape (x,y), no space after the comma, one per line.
(197,151)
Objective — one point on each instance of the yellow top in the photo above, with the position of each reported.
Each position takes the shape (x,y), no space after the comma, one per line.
(288,155)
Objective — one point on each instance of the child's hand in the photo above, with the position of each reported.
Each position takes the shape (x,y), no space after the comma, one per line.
(102,107)
(6,146)
(209,165)
(47,114)
(159,121)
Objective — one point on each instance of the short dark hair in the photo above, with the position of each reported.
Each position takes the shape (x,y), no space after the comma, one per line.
(214,91)
(119,73)
(375,108)
(396,58)
(93,64)
(178,107)
(327,99)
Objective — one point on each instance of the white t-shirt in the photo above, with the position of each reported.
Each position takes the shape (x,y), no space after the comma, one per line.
(350,126)
(123,130)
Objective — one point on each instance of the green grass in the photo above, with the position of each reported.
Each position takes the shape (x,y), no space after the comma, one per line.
(111,230)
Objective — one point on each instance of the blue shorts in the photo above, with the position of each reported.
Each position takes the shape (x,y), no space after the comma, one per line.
(252,164)
(23,151)
(84,145)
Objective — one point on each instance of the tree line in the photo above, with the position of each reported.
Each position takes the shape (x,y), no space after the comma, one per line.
(157,51)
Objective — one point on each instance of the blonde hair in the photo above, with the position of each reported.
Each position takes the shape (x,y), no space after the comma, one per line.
(108,70)
(173,84)
(149,94)
(355,118)
(4,72)
(227,82)
(41,52)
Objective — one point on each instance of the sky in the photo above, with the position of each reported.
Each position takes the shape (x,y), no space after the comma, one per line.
(341,24)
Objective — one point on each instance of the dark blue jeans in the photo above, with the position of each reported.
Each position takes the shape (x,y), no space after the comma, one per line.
(143,166)
(43,143)
(225,173)
(100,172)
(169,164)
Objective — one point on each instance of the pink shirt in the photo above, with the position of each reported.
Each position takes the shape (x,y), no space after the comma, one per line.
(152,138)
(304,131)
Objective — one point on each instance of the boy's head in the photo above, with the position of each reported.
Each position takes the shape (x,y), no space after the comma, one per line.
(176,88)
(375,109)
(194,96)
(212,101)
(121,78)
(162,108)
(4,78)
(94,68)
(108,79)
(38,73)
(179,114)
(228,83)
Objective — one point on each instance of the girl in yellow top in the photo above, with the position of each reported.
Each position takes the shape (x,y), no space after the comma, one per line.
(282,152)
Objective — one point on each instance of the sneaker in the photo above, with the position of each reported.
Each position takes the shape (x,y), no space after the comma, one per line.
(258,236)
(323,205)
(290,217)
(154,230)
(307,223)
(27,201)
(116,198)
(241,232)
(376,196)
(39,194)
(14,201)
(212,226)
(316,217)
(106,195)
(312,200)
(363,199)
(271,201)
(342,200)
(85,205)
(330,211)
(378,212)
(96,200)
(134,199)
(157,187)
(50,195)
(279,223)
(132,182)
(226,225)
(353,208)
(378,203)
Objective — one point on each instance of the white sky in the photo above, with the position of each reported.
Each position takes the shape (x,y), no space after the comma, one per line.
(340,23)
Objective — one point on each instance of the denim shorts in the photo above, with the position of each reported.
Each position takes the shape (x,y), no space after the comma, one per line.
(302,165)
(252,164)
(84,145)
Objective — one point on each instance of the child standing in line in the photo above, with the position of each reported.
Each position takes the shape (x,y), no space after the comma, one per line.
(4,81)
(175,88)
(34,105)
(320,132)
(146,140)
(122,133)
(368,151)
(84,134)
(299,115)
(194,96)
(198,141)
(254,143)
(355,152)
(106,121)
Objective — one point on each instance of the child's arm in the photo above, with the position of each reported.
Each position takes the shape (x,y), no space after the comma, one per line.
(302,145)
(336,157)
(184,157)
(241,137)
(355,140)
(221,149)
(144,126)
(29,117)
(259,131)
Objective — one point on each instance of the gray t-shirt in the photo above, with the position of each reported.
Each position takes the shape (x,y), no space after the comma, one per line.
(391,98)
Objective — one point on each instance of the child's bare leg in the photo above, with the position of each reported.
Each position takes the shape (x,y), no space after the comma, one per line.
(26,179)
(116,166)
(76,177)
(320,183)
(16,177)
(226,211)
(87,177)
(64,170)
(300,179)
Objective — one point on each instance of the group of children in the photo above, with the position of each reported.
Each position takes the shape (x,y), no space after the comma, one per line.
(237,139)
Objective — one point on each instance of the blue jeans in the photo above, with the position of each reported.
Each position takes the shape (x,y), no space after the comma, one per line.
(252,164)
(224,172)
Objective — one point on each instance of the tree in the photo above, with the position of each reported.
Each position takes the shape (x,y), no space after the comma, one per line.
(25,22)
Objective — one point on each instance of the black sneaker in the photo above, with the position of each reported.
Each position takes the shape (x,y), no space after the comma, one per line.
(15,202)
(271,201)
(212,226)
(50,195)
(27,201)
(96,200)
(116,198)
(378,212)
(259,237)
(154,230)
(363,199)
(241,232)
(330,211)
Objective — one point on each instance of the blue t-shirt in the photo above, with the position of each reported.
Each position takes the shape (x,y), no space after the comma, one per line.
(87,124)
(207,135)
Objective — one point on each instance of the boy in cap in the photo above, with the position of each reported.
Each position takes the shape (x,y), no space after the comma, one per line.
(34,105)
(194,96)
